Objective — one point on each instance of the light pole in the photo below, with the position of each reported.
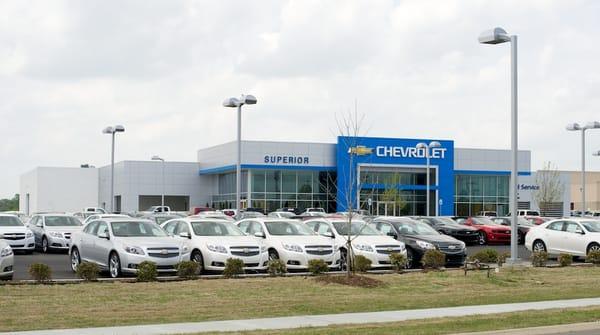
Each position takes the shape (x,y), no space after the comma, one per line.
(113,131)
(497,36)
(576,127)
(162,196)
(427,148)
(238,103)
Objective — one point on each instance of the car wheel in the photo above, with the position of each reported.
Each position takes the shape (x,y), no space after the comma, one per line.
(45,244)
(538,246)
(75,259)
(273,255)
(197,257)
(410,259)
(114,265)
(482,238)
(343,260)
(593,247)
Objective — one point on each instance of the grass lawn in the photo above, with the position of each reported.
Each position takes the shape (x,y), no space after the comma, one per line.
(27,307)
(452,325)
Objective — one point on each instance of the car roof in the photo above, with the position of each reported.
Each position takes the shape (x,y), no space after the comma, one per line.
(125,220)
(271,219)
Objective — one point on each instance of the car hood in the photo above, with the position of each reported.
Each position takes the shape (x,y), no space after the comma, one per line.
(229,240)
(375,240)
(435,239)
(492,226)
(303,240)
(457,228)
(18,229)
(150,242)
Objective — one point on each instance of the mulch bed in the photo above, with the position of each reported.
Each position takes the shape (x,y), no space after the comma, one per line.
(354,280)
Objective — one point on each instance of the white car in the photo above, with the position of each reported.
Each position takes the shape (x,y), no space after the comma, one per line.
(103,216)
(120,245)
(281,215)
(6,261)
(213,241)
(16,234)
(53,231)
(366,240)
(292,241)
(96,210)
(574,236)
(213,215)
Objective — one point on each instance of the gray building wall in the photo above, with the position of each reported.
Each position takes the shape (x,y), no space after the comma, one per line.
(489,160)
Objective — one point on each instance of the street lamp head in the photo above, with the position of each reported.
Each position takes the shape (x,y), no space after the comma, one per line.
(592,125)
(249,99)
(434,144)
(119,129)
(494,36)
(108,130)
(573,126)
(231,102)
(421,145)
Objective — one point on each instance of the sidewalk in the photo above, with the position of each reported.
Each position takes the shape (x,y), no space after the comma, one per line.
(317,320)
(574,329)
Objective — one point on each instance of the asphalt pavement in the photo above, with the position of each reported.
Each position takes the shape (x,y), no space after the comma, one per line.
(61,268)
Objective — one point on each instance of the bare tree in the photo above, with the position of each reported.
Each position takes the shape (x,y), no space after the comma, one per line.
(550,186)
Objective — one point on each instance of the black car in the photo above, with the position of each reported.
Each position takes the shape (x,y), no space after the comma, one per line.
(448,226)
(420,237)
(523,226)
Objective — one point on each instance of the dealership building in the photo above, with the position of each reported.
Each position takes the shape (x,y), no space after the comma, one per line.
(385,176)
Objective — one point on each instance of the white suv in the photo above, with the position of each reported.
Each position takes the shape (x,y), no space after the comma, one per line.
(366,240)
(213,241)
(292,241)
(16,234)
(53,231)
(6,261)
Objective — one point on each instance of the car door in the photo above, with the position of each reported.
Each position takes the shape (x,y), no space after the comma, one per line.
(102,246)
(37,230)
(86,242)
(574,239)
(552,236)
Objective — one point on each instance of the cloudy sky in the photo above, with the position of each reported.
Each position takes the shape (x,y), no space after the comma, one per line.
(162,69)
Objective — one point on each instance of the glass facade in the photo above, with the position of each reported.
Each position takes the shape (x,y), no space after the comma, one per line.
(225,197)
(476,193)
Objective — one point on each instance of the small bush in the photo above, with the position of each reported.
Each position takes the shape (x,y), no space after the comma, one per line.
(233,268)
(487,255)
(593,257)
(146,271)
(362,263)
(317,266)
(565,259)
(187,269)
(40,272)
(88,271)
(502,258)
(539,258)
(433,259)
(276,267)
(398,261)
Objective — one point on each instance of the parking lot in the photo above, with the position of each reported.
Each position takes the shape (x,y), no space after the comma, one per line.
(59,262)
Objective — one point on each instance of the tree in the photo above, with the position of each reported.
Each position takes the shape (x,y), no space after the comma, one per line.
(550,189)
(9,204)
(393,195)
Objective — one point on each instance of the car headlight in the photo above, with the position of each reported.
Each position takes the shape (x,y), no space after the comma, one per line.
(217,248)
(134,250)
(292,247)
(55,234)
(462,245)
(28,235)
(363,247)
(425,245)
(7,251)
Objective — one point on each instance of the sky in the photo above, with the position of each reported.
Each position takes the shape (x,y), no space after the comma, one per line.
(414,69)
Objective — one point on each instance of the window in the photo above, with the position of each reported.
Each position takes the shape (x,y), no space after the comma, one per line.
(183,228)
(572,227)
(385,228)
(91,228)
(555,226)
(254,228)
(102,228)
(171,227)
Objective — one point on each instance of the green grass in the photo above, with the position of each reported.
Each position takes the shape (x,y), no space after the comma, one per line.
(451,325)
(27,307)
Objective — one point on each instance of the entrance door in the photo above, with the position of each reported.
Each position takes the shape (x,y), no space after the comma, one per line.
(386,208)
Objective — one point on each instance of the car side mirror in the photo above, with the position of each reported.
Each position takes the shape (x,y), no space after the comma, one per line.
(579,231)
(104,235)
(185,234)
(392,234)
(328,234)
(259,234)
(39,225)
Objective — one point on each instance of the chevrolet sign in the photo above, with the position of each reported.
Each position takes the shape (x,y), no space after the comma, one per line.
(360,150)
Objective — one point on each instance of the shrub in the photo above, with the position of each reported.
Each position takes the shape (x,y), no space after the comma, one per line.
(361,263)
(487,255)
(593,257)
(146,271)
(88,271)
(276,267)
(40,272)
(433,259)
(398,261)
(502,258)
(565,259)
(317,266)
(539,258)
(187,269)
(233,268)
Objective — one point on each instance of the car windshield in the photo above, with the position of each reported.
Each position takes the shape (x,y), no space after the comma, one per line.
(358,228)
(10,221)
(483,221)
(286,215)
(288,228)
(216,229)
(137,229)
(57,221)
(414,228)
(591,226)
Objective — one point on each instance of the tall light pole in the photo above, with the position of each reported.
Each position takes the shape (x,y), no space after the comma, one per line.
(427,148)
(162,196)
(577,127)
(238,103)
(113,131)
(497,36)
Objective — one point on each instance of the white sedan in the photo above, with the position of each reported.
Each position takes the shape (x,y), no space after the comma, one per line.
(572,236)
(6,261)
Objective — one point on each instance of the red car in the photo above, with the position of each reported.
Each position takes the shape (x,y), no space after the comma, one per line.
(489,231)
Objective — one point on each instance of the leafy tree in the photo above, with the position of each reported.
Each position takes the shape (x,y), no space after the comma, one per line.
(9,204)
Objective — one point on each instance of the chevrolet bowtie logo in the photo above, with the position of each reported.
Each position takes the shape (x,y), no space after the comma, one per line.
(360,150)
(164,251)
(246,250)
